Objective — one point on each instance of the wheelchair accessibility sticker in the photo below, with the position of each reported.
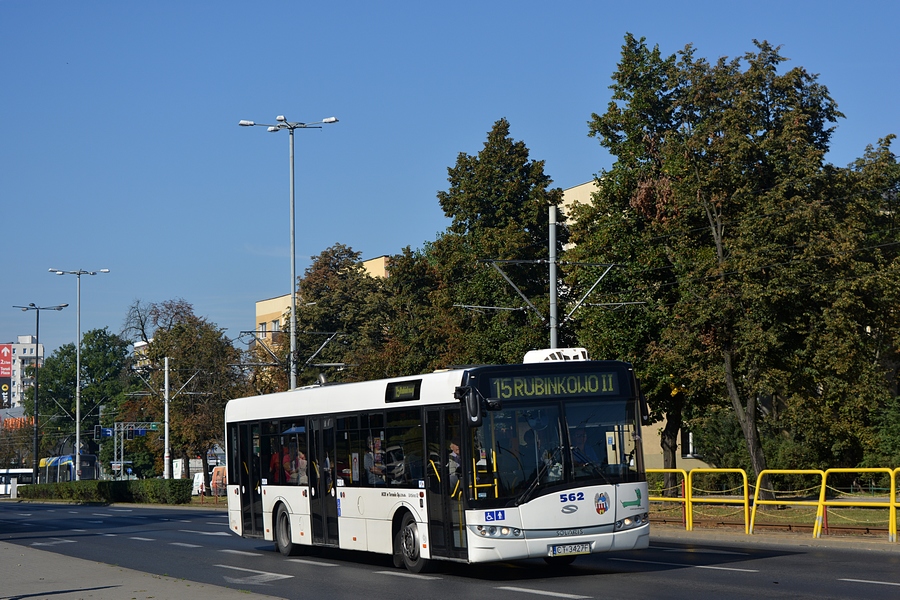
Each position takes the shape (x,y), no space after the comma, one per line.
(495,515)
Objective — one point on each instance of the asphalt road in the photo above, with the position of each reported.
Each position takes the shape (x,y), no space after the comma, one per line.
(65,552)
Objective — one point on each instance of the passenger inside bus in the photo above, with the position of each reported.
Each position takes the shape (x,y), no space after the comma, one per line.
(374,471)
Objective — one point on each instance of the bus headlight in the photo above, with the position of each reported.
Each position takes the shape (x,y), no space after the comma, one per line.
(498,532)
(633,521)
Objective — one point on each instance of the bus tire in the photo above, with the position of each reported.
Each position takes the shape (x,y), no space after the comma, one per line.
(282,532)
(407,545)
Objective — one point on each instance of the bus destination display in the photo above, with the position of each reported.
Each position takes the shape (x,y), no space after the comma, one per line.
(553,386)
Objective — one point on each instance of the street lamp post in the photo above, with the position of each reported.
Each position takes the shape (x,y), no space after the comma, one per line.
(291,126)
(37,336)
(78,275)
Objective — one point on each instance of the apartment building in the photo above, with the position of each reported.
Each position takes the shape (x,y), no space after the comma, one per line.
(14,359)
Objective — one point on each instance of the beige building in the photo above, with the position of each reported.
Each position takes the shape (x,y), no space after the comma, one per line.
(580,194)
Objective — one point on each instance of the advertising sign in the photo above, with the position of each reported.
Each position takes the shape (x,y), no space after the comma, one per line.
(5,374)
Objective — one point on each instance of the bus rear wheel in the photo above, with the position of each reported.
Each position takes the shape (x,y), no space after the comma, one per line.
(282,531)
(407,545)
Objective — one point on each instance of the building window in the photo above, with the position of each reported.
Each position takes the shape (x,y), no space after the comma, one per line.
(276,326)
(262,330)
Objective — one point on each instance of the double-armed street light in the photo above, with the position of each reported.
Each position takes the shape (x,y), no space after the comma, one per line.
(290,126)
(78,275)
(37,360)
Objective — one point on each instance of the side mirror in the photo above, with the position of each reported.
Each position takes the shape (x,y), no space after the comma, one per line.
(469,397)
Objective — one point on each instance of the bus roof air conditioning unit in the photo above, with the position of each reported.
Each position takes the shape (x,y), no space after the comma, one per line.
(555,354)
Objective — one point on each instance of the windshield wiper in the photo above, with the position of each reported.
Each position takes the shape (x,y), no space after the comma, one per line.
(545,466)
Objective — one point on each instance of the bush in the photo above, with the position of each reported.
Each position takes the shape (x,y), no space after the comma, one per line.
(147,491)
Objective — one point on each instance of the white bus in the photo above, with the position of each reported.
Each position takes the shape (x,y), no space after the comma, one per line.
(22,477)
(471,465)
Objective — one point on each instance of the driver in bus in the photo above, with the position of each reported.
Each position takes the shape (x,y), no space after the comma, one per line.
(583,452)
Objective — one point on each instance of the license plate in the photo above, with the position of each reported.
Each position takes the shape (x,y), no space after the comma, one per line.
(568,549)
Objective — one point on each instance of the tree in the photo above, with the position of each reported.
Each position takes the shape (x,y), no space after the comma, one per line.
(498,203)
(203,375)
(105,378)
(623,226)
(340,315)
(732,228)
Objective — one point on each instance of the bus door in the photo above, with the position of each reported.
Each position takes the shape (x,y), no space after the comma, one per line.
(250,479)
(323,502)
(445,482)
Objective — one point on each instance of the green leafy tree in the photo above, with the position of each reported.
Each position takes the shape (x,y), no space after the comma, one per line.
(626,226)
(204,374)
(417,326)
(498,202)
(729,225)
(105,379)
(340,316)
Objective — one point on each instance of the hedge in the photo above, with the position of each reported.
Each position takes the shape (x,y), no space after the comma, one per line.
(145,491)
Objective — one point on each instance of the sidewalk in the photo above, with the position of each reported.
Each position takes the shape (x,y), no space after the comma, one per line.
(38,575)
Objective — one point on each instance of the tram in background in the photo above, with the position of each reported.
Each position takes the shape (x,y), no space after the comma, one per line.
(58,469)
(478,464)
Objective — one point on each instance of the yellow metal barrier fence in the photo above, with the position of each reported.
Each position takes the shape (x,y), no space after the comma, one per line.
(890,503)
(685,498)
(781,501)
(745,501)
(690,497)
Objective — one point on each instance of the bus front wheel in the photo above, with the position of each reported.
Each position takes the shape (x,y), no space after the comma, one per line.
(407,545)
(282,529)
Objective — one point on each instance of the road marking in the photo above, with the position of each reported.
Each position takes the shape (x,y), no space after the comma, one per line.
(540,592)
(311,562)
(185,545)
(407,575)
(95,522)
(699,551)
(668,564)
(261,577)
(205,532)
(241,552)
(102,515)
(78,530)
(109,534)
(122,509)
(868,581)
(142,539)
(55,542)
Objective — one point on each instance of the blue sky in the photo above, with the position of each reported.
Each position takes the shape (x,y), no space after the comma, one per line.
(120,147)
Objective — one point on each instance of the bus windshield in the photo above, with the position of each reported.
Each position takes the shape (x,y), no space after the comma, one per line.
(526,449)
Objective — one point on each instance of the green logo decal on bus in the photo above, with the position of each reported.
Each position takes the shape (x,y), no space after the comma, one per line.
(635,502)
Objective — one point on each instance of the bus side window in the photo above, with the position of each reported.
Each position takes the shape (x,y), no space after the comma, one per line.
(404,438)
